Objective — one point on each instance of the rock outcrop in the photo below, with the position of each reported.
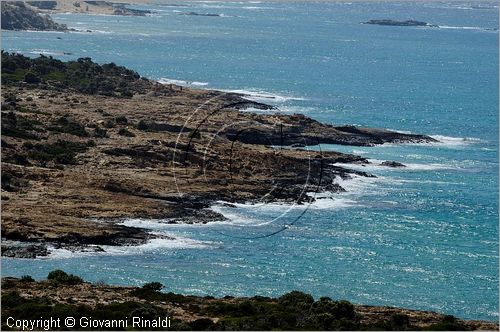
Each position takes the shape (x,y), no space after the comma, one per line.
(394,164)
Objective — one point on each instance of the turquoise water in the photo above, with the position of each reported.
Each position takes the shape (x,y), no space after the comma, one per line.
(425,237)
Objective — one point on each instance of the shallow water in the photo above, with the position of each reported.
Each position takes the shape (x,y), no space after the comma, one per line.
(423,237)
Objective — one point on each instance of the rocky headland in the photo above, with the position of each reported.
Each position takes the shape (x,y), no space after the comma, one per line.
(86,145)
(63,295)
(18,15)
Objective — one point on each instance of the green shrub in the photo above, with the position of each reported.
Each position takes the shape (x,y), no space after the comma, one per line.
(296,299)
(100,132)
(125,132)
(19,126)
(16,158)
(121,119)
(154,286)
(31,78)
(202,324)
(82,75)
(68,126)
(27,278)
(142,125)
(62,277)
(109,124)
(62,152)
(400,321)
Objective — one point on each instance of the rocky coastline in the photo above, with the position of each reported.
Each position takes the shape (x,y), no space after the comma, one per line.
(82,151)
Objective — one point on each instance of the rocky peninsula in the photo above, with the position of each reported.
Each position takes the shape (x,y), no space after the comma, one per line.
(86,145)
(63,295)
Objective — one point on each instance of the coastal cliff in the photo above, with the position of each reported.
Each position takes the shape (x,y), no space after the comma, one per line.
(64,295)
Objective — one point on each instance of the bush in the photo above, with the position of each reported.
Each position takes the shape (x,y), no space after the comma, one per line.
(82,75)
(31,78)
(142,125)
(109,124)
(400,321)
(153,286)
(121,119)
(59,276)
(16,158)
(125,132)
(100,132)
(62,152)
(201,324)
(296,299)
(27,278)
(19,126)
(68,126)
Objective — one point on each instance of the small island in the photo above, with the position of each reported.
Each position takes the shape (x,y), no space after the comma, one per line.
(408,23)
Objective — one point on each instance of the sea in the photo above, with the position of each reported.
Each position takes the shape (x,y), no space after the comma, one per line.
(420,237)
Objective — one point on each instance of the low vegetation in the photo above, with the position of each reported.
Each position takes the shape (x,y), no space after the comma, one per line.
(81,75)
(59,152)
(292,311)
(61,277)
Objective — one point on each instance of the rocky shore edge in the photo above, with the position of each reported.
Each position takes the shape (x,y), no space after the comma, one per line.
(64,295)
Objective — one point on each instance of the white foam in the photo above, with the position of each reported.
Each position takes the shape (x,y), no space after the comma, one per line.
(358,184)
(164,80)
(376,164)
(240,214)
(88,30)
(151,245)
(257,110)
(264,96)
(465,28)
(158,227)
(331,201)
(448,140)
(46,52)
(442,140)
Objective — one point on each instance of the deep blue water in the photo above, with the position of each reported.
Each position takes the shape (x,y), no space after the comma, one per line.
(425,237)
